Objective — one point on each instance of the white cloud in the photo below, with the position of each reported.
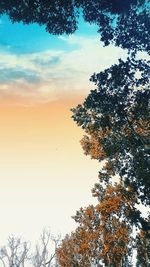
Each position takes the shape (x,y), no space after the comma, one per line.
(57,72)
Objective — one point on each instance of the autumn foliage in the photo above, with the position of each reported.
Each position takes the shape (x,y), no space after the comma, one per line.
(104,233)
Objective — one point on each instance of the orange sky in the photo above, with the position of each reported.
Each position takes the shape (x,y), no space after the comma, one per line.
(43,126)
(45,177)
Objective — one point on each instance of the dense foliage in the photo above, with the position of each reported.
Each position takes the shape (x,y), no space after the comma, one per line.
(116,120)
(102,236)
(116,117)
(125,23)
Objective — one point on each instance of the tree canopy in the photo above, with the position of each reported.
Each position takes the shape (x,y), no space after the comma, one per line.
(104,236)
(124,23)
(116,119)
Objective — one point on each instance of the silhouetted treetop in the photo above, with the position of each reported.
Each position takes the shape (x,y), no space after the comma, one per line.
(124,23)
(115,117)
(58,16)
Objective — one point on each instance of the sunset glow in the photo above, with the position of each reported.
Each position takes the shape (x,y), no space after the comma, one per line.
(45,177)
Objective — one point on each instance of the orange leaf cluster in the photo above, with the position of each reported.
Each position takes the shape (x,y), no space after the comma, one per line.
(102,236)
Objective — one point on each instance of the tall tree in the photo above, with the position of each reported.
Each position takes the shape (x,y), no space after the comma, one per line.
(115,117)
(116,120)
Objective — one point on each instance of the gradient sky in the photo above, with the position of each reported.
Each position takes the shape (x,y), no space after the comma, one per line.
(45,177)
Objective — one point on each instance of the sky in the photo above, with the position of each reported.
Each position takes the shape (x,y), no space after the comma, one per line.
(44,175)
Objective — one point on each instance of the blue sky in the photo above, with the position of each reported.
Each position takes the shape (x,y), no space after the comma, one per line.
(37,66)
(20,38)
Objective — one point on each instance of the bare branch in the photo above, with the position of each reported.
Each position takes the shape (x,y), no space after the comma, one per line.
(44,255)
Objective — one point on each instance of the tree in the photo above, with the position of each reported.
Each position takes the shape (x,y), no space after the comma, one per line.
(116,120)
(115,117)
(104,235)
(124,23)
(15,254)
(43,257)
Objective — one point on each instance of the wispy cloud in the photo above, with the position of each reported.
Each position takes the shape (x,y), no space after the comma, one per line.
(8,75)
(53,73)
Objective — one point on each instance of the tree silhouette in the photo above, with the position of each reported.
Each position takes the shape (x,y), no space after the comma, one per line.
(124,23)
(115,117)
